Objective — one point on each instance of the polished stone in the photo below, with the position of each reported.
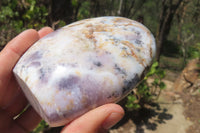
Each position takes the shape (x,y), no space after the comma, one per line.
(84,65)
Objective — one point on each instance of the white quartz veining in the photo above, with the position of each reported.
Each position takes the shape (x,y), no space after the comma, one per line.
(84,65)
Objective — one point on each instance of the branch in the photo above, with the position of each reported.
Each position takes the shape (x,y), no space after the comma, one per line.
(189,38)
(111,7)
(138,8)
(120,7)
(54,24)
(76,10)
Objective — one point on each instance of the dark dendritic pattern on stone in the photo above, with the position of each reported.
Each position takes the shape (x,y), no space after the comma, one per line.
(84,65)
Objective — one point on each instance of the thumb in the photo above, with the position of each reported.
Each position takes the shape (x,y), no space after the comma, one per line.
(96,120)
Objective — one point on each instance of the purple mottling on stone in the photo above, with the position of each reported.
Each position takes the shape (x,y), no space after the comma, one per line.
(35,64)
(130,84)
(45,74)
(42,74)
(35,56)
(97,63)
(73,65)
(138,34)
(92,90)
(130,37)
(139,42)
(68,82)
(120,70)
(73,78)
(114,95)
(53,117)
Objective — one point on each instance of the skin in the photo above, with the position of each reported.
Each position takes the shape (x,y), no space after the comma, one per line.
(13,101)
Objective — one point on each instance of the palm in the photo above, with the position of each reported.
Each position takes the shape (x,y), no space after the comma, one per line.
(12,100)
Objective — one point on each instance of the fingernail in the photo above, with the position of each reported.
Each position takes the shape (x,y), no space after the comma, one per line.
(112,119)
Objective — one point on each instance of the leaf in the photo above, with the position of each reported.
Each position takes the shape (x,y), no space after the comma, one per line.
(156,81)
(155,64)
(162,85)
(74,3)
(136,106)
(131,98)
(153,69)
(145,78)
(129,105)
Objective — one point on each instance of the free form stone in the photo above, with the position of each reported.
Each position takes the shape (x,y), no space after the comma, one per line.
(84,65)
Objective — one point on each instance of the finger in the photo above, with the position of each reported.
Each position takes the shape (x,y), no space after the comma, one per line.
(12,91)
(17,46)
(5,120)
(13,51)
(29,119)
(7,124)
(21,103)
(44,31)
(99,119)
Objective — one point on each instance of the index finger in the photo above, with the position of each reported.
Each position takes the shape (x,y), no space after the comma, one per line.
(14,50)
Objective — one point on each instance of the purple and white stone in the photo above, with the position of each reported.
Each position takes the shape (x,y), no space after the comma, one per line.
(84,65)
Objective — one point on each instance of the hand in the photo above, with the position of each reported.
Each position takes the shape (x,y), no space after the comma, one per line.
(13,101)
(98,120)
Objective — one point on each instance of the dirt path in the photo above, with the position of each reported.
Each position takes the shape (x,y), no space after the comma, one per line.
(165,116)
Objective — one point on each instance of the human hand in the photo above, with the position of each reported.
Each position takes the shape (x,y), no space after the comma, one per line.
(98,120)
(13,101)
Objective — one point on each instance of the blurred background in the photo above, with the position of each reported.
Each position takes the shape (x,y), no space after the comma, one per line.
(175,25)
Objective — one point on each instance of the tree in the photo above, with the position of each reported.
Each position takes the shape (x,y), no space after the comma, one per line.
(169,8)
(187,15)
(130,7)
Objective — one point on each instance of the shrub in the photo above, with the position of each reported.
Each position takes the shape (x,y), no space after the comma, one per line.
(147,92)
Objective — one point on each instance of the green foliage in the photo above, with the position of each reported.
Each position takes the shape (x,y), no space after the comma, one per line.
(16,16)
(149,11)
(61,23)
(132,102)
(74,3)
(33,12)
(194,51)
(41,126)
(146,92)
(84,11)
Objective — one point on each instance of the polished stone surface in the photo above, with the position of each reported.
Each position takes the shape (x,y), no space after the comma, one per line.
(84,65)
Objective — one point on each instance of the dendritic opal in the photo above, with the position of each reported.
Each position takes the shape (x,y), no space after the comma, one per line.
(84,65)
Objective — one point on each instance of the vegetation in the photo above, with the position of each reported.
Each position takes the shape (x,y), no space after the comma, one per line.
(174,23)
(41,126)
(147,92)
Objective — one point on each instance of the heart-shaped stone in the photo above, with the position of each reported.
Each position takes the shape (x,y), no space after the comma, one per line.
(84,65)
